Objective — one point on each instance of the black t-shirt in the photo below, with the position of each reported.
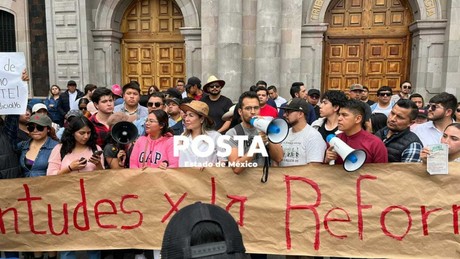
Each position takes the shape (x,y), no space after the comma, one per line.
(217,109)
(324,132)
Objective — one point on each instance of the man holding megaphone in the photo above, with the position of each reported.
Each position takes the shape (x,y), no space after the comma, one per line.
(351,123)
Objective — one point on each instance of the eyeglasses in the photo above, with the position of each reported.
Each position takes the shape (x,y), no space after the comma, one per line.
(433,107)
(250,108)
(407,87)
(32,127)
(214,86)
(384,94)
(157,104)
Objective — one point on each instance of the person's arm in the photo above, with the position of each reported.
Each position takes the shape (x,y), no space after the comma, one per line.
(275,151)
(233,158)
(224,127)
(134,158)
(412,153)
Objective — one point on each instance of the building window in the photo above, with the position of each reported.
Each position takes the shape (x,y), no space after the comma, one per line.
(7,32)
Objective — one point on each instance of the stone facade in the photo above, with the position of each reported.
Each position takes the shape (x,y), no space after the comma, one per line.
(239,41)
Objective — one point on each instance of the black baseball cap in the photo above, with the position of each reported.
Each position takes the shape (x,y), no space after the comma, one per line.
(177,236)
(313,92)
(71,82)
(193,81)
(297,104)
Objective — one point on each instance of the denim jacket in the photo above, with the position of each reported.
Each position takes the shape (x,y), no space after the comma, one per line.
(41,161)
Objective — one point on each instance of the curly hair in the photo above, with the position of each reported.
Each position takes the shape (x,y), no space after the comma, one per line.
(68,140)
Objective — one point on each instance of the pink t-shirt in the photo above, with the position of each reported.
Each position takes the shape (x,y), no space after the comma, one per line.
(154,152)
(55,164)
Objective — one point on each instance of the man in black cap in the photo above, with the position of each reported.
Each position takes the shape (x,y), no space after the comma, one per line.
(68,98)
(313,99)
(193,88)
(303,144)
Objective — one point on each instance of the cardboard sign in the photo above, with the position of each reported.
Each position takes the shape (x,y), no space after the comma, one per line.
(395,210)
(13,91)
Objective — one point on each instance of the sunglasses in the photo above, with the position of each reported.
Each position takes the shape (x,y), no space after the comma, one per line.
(314,96)
(433,107)
(32,127)
(82,108)
(214,86)
(407,87)
(157,104)
(384,94)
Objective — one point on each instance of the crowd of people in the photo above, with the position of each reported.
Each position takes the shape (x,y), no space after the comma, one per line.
(71,131)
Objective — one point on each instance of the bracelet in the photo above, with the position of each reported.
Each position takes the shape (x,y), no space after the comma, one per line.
(70,168)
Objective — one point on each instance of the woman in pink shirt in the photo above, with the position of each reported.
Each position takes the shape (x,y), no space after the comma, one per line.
(156,149)
(78,151)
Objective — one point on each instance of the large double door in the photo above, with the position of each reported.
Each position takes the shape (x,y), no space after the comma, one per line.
(153,50)
(367,42)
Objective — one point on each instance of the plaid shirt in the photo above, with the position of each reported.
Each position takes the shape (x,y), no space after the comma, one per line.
(101,130)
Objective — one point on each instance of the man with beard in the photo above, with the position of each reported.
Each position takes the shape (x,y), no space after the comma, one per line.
(406,88)
(402,144)
(303,144)
(218,104)
(441,110)
(249,107)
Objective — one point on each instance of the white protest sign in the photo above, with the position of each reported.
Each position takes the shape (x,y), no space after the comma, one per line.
(13,91)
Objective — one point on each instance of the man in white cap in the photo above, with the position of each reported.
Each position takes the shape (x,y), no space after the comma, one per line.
(218,104)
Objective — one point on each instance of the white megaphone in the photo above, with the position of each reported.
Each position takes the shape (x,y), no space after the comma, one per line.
(353,159)
(276,129)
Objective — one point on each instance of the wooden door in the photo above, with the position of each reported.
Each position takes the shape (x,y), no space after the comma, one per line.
(153,48)
(367,42)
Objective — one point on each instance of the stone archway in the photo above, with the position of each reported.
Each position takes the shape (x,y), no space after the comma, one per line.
(427,42)
(107,38)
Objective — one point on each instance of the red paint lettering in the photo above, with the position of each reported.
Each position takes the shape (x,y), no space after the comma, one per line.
(122,208)
(327,220)
(83,206)
(213,191)
(98,213)
(311,207)
(359,203)
(2,222)
(174,206)
(241,200)
(28,199)
(425,215)
(384,227)
(65,228)
(455,211)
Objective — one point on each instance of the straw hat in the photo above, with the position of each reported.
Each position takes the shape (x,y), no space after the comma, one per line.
(198,107)
(212,80)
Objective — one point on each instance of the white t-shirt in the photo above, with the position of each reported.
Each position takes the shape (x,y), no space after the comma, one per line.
(303,147)
(73,105)
(188,158)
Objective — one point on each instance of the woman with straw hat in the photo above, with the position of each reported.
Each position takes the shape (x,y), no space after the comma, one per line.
(198,123)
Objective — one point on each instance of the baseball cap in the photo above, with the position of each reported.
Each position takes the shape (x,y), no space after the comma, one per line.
(176,100)
(173,93)
(73,113)
(314,91)
(193,81)
(40,119)
(39,106)
(116,90)
(178,233)
(71,82)
(356,87)
(422,113)
(297,104)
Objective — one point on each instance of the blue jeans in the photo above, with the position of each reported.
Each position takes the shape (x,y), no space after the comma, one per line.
(72,255)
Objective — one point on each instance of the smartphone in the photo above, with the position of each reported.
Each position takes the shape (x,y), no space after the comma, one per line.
(97,153)
(82,160)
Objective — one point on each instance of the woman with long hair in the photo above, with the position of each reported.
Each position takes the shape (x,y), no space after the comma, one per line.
(156,149)
(34,153)
(78,151)
(52,104)
(451,137)
(197,124)
(83,107)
